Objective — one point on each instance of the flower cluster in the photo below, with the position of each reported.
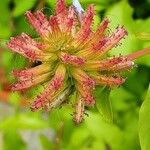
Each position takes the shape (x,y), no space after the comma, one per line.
(73,57)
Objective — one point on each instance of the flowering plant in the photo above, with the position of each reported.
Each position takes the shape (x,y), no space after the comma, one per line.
(73,57)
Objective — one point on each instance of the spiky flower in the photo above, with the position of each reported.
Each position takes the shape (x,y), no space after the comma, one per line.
(72,55)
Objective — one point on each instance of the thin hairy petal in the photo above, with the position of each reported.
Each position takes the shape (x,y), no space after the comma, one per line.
(79,110)
(102,28)
(88,17)
(30,82)
(54,24)
(39,23)
(35,71)
(99,33)
(44,22)
(70,23)
(71,59)
(85,30)
(61,12)
(114,64)
(120,67)
(109,80)
(55,84)
(29,42)
(112,40)
(82,78)
(29,48)
(104,45)
(86,94)
(61,7)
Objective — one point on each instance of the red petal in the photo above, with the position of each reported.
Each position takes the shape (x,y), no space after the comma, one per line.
(39,23)
(26,74)
(83,78)
(70,19)
(109,81)
(61,12)
(53,87)
(32,81)
(86,94)
(85,30)
(71,59)
(113,64)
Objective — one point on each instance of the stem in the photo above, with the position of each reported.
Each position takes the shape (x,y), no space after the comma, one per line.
(138,54)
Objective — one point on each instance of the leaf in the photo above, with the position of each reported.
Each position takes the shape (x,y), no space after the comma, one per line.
(144,123)
(5,28)
(103,103)
(22,121)
(16,141)
(110,134)
(22,6)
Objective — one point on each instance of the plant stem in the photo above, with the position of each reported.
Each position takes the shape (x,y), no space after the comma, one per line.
(135,55)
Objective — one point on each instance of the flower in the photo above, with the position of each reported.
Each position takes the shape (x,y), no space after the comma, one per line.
(73,57)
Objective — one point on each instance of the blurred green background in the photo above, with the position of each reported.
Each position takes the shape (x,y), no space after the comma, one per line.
(129,104)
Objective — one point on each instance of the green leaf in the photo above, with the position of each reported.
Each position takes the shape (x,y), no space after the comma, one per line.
(16,141)
(22,121)
(103,103)
(5,28)
(22,6)
(110,134)
(144,123)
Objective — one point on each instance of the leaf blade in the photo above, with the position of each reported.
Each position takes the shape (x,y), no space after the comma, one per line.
(144,123)
(103,104)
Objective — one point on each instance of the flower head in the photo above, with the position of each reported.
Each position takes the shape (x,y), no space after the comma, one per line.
(72,55)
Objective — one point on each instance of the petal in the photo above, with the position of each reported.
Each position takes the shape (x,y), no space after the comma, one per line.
(104,44)
(86,94)
(114,64)
(71,59)
(70,24)
(61,7)
(112,41)
(82,78)
(103,26)
(54,24)
(20,47)
(53,87)
(85,30)
(109,80)
(35,71)
(79,110)
(61,12)
(27,47)
(39,23)
(30,82)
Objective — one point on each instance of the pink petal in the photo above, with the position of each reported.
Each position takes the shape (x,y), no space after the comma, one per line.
(39,23)
(71,59)
(30,82)
(109,81)
(52,88)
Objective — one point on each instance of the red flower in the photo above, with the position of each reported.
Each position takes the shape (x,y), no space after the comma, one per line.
(72,55)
